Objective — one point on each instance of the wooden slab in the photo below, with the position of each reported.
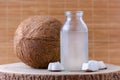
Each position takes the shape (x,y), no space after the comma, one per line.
(20,71)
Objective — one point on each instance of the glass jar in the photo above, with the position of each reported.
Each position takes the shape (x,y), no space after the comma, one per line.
(74,41)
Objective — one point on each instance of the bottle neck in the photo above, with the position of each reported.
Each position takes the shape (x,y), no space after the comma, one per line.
(73,18)
(74,22)
(74,15)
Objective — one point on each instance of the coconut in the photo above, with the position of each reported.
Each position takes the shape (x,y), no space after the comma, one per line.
(37,41)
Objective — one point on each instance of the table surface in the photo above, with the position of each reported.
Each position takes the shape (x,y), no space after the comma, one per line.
(21,68)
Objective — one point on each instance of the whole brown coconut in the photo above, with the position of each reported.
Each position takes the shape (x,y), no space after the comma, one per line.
(37,41)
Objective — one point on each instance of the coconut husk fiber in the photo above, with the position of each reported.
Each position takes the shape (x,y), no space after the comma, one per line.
(37,41)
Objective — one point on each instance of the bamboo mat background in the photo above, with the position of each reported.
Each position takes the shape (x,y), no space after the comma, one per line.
(101,16)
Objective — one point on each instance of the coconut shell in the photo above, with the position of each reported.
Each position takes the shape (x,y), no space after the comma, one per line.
(37,41)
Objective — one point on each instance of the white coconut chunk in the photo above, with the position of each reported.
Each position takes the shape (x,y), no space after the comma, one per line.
(85,66)
(102,65)
(90,66)
(93,65)
(50,66)
(55,66)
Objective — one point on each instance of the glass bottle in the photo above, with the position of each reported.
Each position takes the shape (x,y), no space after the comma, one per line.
(74,41)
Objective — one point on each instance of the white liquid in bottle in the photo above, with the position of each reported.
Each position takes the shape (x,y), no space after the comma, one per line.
(74,49)
(74,46)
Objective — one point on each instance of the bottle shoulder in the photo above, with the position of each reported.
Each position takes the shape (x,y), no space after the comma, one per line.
(75,27)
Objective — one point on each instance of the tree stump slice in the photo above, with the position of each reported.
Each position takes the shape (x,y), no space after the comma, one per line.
(20,71)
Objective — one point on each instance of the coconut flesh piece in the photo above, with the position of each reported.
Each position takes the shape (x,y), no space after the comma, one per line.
(93,65)
(102,65)
(55,67)
(90,66)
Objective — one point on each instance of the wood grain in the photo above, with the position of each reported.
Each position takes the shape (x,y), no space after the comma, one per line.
(20,71)
(101,16)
